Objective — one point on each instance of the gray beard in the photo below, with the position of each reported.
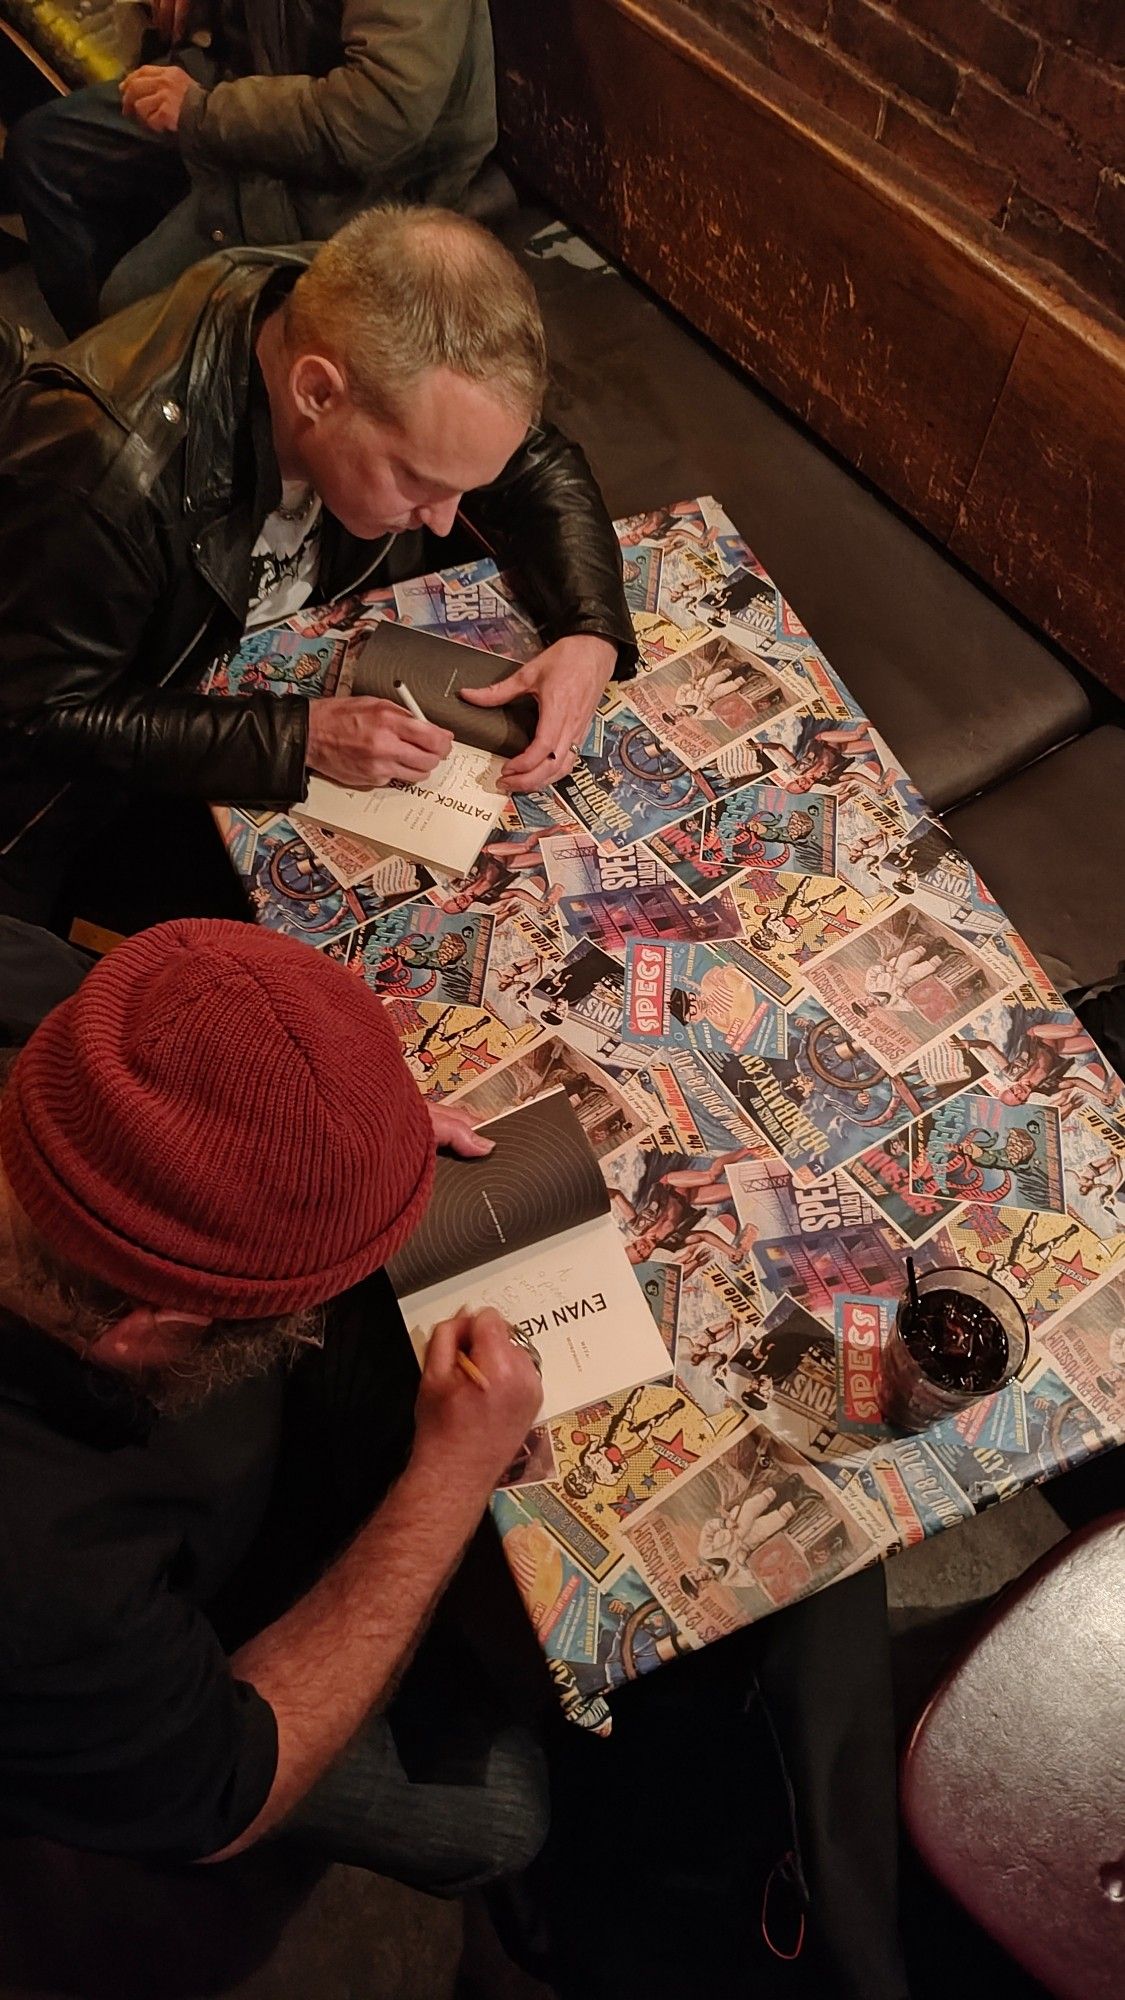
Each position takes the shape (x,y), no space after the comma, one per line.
(229,1353)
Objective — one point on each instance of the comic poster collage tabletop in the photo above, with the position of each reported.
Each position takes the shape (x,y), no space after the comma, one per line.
(803,1041)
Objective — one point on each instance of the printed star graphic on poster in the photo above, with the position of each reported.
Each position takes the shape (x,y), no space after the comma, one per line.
(625,1504)
(672,1454)
(1072,1271)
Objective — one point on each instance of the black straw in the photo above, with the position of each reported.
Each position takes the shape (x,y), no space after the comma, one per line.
(913,1283)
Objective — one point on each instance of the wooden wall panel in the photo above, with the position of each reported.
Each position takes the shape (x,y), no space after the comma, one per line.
(883,322)
(1044,517)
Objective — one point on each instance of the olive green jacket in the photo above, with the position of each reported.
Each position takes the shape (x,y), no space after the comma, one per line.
(321,107)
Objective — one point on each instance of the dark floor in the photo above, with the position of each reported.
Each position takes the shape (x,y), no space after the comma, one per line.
(883,603)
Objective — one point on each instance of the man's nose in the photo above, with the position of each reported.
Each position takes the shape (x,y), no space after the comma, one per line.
(440,518)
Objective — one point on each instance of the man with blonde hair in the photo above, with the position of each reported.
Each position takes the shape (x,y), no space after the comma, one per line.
(274,431)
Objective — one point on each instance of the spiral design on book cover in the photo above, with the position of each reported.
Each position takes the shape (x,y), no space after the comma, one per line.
(541,1179)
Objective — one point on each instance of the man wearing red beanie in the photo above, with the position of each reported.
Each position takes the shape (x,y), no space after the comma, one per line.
(210,1138)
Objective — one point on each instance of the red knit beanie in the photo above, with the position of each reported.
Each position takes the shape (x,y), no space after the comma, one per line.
(218,1119)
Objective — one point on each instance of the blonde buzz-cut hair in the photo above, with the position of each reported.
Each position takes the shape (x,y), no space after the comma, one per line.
(398,291)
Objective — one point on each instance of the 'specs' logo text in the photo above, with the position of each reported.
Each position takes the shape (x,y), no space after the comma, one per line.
(648,1008)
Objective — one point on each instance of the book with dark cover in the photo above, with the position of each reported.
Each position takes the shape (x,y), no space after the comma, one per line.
(435,670)
(528,1229)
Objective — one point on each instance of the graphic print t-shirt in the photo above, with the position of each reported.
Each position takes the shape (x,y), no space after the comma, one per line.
(285,558)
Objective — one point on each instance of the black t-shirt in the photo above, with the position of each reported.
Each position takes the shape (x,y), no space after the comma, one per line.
(121,1725)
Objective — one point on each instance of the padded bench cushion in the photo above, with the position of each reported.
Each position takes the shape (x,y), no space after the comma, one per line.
(1014,1784)
(962,693)
(1050,844)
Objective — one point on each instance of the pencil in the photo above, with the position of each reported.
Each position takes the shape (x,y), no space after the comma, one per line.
(471,1370)
(409,702)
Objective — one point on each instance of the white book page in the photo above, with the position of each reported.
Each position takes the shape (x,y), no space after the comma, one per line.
(444,818)
(577,1297)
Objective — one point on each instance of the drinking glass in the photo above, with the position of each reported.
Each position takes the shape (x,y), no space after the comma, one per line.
(965,1338)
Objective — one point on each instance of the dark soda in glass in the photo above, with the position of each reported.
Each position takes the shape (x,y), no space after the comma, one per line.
(958,1342)
(964,1338)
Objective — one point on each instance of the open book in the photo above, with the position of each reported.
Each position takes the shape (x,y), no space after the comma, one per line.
(529,1231)
(446,817)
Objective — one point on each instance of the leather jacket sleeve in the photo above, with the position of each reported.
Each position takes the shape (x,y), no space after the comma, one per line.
(79,602)
(545,519)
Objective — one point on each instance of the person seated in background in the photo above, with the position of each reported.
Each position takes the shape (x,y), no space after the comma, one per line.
(270,432)
(214,1134)
(290,122)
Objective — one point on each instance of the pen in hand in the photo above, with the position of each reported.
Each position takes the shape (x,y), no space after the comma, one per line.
(470,1369)
(467,1366)
(409,702)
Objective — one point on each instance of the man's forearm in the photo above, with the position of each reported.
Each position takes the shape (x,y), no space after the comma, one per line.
(339,1651)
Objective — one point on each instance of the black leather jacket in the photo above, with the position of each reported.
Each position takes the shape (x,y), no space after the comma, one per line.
(133,483)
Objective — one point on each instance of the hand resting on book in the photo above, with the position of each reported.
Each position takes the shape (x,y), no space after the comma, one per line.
(567,680)
(456,1131)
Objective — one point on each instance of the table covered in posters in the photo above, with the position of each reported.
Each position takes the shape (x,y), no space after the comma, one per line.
(802,1039)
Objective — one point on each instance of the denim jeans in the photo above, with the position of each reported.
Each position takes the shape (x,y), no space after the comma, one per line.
(107,204)
(446,1791)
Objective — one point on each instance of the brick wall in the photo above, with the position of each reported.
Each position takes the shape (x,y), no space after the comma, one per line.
(1014,107)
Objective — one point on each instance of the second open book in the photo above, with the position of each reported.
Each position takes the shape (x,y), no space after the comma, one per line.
(529,1231)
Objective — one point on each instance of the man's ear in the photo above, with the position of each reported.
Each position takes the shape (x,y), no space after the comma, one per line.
(316,385)
(149,1337)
